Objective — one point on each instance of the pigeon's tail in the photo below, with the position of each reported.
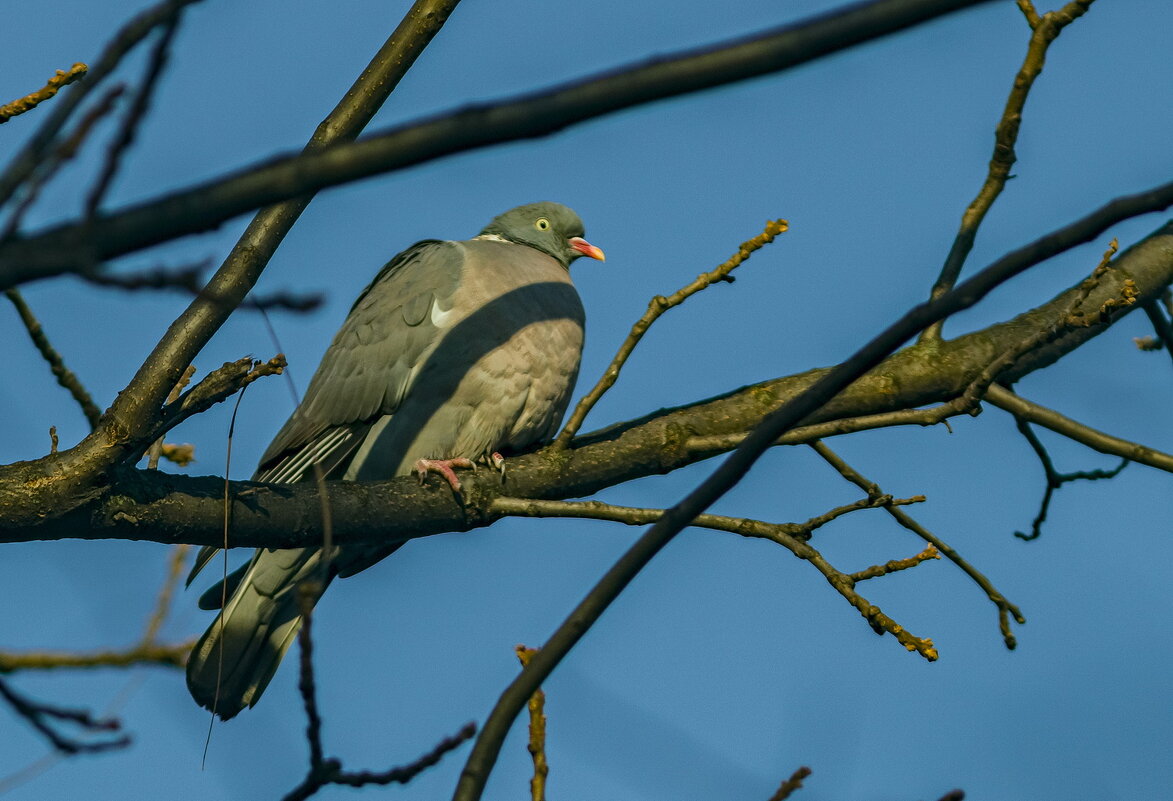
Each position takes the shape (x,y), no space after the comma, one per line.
(236,657)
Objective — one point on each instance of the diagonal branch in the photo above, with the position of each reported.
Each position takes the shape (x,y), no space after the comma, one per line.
(735,466)
(1044,30)
(134,115)
(130,419)
(29,102)
(1160,325)
(537,114)
(65,377)
(1023,409)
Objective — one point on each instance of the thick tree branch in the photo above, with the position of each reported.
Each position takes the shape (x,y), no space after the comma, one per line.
(169,508)
(136,417)
(537,114)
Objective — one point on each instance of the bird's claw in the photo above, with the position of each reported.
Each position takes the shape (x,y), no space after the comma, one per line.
(497,462)
(445,468)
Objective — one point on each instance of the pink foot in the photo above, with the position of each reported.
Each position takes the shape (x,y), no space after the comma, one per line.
(443,467)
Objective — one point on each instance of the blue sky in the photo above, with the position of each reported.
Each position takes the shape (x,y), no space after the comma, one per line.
(727,663)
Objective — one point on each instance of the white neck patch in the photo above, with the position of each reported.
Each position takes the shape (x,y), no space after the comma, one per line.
(491,238)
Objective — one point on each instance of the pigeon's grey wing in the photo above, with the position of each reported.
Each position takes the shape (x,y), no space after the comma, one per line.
(375,355)
(367,370)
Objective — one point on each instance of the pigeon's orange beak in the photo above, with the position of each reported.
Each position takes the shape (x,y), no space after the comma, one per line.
(586,248)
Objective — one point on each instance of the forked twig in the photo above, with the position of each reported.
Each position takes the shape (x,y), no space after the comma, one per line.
(1005,608)
(1044,30)
(656,307)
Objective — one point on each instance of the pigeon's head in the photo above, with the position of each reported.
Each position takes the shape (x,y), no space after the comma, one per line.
(549,227)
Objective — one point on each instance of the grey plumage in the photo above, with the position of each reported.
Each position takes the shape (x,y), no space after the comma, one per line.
(455,349)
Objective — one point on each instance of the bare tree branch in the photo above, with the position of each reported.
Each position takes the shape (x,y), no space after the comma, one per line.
(50,89)
(207,205)
(65,377)
(537,733)
(134,115)
(34,152)
(1160,324)
(736,465)
(790,785)
(1023,409)
(656,307)
(170,509)
(1054,479)
(131,420)
(328,770)
(40,714)
(1005,608)
(1044,30)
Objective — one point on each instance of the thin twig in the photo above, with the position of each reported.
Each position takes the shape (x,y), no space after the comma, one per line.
(146,651)
(157,448)
(150,654)
(933,415)
(134,115)
(1005,608)
(175,567)
(33,153)
(1023,409)
(537,733)
(894,565)
(792,536)
(790,785)
(1044,30)
(307,594)
(50,89)
(1161,325)
(64,152)
(65,377)
(656,307)
(186,279)
(328,770)
(39,715)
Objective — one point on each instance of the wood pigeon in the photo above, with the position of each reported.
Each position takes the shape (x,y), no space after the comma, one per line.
(455,352)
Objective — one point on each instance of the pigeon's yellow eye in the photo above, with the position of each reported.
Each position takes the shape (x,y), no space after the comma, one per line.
(542,224)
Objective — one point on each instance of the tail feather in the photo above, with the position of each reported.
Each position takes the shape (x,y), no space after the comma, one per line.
(235,659)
